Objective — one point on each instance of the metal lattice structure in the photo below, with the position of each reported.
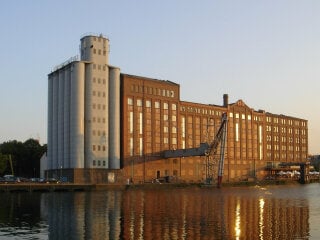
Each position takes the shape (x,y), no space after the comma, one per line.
(208,150)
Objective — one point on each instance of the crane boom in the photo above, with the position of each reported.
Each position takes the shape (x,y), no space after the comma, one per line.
(213,147)
(206,149)
(222,149)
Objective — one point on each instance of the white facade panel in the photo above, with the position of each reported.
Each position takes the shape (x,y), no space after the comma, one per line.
(77,115)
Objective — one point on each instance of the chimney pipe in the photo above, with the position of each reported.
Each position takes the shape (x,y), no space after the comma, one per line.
(225,100)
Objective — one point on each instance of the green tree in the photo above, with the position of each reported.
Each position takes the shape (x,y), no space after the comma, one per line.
(3,163)
(25,157)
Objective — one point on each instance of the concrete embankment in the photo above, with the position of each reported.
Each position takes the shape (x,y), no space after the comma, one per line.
(70,187)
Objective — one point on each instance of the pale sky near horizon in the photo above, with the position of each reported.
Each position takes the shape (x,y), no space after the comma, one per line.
(266,53)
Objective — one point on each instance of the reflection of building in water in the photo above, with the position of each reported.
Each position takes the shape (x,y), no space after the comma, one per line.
(83,215)
(267,218)
(208,215)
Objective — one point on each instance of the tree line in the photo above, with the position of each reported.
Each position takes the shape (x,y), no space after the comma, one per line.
(21,158)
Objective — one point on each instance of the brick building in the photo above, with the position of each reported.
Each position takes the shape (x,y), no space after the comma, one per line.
(154,120)
(105,126)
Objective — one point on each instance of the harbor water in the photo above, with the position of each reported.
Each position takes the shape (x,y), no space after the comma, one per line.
(259,212)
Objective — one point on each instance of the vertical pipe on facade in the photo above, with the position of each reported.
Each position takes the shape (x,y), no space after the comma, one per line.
(77,115)
(114,118)
(55,121)
(88,116)
(50,122)
(61,118)
(107,115)
(66,125)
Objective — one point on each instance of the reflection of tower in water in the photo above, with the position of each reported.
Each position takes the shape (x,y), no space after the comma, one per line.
(83,215)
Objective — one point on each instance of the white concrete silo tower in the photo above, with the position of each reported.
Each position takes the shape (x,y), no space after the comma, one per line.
(84,110)
(102,108)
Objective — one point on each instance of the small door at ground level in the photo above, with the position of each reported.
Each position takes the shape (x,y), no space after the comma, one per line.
(158,174)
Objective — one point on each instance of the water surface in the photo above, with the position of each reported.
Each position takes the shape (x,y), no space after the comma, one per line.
(269,212)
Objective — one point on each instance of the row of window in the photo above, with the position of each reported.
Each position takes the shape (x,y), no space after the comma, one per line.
(99,39)
(99,80)
(204,111)
(98,120)
(148,104)
(286,121)
(99,67)
(98,148)
(98,163)
(99,52)
(284,139)
(99,94)
(284,130)
(98,133)
(276,147)
(99,106)
(152,91)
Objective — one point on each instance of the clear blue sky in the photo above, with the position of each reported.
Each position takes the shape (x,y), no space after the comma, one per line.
(266,53)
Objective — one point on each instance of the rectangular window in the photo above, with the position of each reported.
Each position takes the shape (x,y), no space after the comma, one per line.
(140,147)
(237,132)
(156,105)
(148,103)
(130,101)
(131,147)
(260,143)
(131,122)
(140,123)
(183,126)
(260,134)
(174,130)
(174,140)
(174,107)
